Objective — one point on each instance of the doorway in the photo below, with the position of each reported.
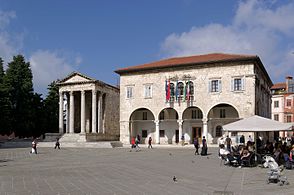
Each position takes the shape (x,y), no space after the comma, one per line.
(196,132)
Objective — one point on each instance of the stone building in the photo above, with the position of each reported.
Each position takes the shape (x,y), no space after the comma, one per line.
(194,96)
(283,103)
(88,109)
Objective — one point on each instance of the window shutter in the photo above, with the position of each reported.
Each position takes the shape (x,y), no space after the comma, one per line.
(232,84)
(219,85)
(209,86)
(243,83)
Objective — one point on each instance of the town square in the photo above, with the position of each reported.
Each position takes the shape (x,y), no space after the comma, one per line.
(146,97)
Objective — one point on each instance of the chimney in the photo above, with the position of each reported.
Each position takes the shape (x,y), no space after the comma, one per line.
(289,81)
(289,78)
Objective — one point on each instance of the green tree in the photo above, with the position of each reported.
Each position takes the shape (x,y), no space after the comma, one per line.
(38,117)
(18,80)
(5,105)
(51,104)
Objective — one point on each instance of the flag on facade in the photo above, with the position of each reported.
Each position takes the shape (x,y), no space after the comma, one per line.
(188,91)
(168,91)
(185,92)
(177,91)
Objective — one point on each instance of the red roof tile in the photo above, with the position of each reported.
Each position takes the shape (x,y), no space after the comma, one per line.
(180,61)
(279,86)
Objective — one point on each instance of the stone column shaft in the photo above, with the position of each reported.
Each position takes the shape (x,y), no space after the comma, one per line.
(67,113)
(180,129)
(71,113)
(94,111)
(100,113)
(157,135)
(83,108)
(60,112)
(205,132)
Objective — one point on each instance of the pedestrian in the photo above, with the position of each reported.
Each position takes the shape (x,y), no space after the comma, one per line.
(196,145)
(137,143)
(34,147)
(149,142)
(228,143)
(57,144)
(133,143)
(204,147)
(250,138)
(242,140)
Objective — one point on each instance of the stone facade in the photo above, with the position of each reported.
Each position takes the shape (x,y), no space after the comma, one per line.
(145,110)
(88,108)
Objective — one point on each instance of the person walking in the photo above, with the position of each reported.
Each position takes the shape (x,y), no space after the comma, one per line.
(242,140)
(149,143)
(196,145)
(57,144)
(204,147)
(34,147)
(228,143)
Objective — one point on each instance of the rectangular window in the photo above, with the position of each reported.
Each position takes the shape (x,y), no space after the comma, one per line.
(276,104)
(148,91)
(144,133)
(161,116)
(289,119)
(215,85)
(199,114)
(237,84)
(276,117)
(222,113)
(288,102)
(144,115)
(161,133)
(194,116)
(129,92)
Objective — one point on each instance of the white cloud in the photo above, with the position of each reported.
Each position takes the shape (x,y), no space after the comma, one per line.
(48,66)
(256,29)
(5,18)
(10,43)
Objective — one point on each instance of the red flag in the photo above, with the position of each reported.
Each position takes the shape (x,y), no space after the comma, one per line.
(168,91)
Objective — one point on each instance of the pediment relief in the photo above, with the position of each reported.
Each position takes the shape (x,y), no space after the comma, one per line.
(75,79)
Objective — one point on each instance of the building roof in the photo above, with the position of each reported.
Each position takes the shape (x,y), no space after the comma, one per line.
(212,58)
(181,61)
(279,86)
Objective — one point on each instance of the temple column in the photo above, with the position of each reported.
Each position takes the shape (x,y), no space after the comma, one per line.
(67,113)
(94,111)
(83,106)
(157,136)
(71,112)
(100,113)
(60,112)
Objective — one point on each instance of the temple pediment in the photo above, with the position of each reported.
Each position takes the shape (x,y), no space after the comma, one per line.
(76,77)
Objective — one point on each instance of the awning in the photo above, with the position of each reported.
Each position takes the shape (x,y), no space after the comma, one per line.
(257,124)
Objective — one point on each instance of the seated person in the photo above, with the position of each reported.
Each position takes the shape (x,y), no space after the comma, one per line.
(244,155)
(226,154)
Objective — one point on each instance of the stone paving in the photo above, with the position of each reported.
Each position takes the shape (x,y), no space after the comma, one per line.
(119,171)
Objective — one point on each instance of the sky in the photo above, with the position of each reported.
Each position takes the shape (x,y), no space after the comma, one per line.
(96,37)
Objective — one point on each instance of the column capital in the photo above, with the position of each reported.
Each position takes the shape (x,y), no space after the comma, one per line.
(60,93)
(71,93)
(156,122)
(83,92)
(180,121)
(94,91)
(205,120)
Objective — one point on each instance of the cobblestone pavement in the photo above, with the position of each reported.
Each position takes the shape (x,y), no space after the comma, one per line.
(119,171)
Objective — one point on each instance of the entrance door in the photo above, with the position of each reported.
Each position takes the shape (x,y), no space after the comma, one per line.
(177,136)
(196,132)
